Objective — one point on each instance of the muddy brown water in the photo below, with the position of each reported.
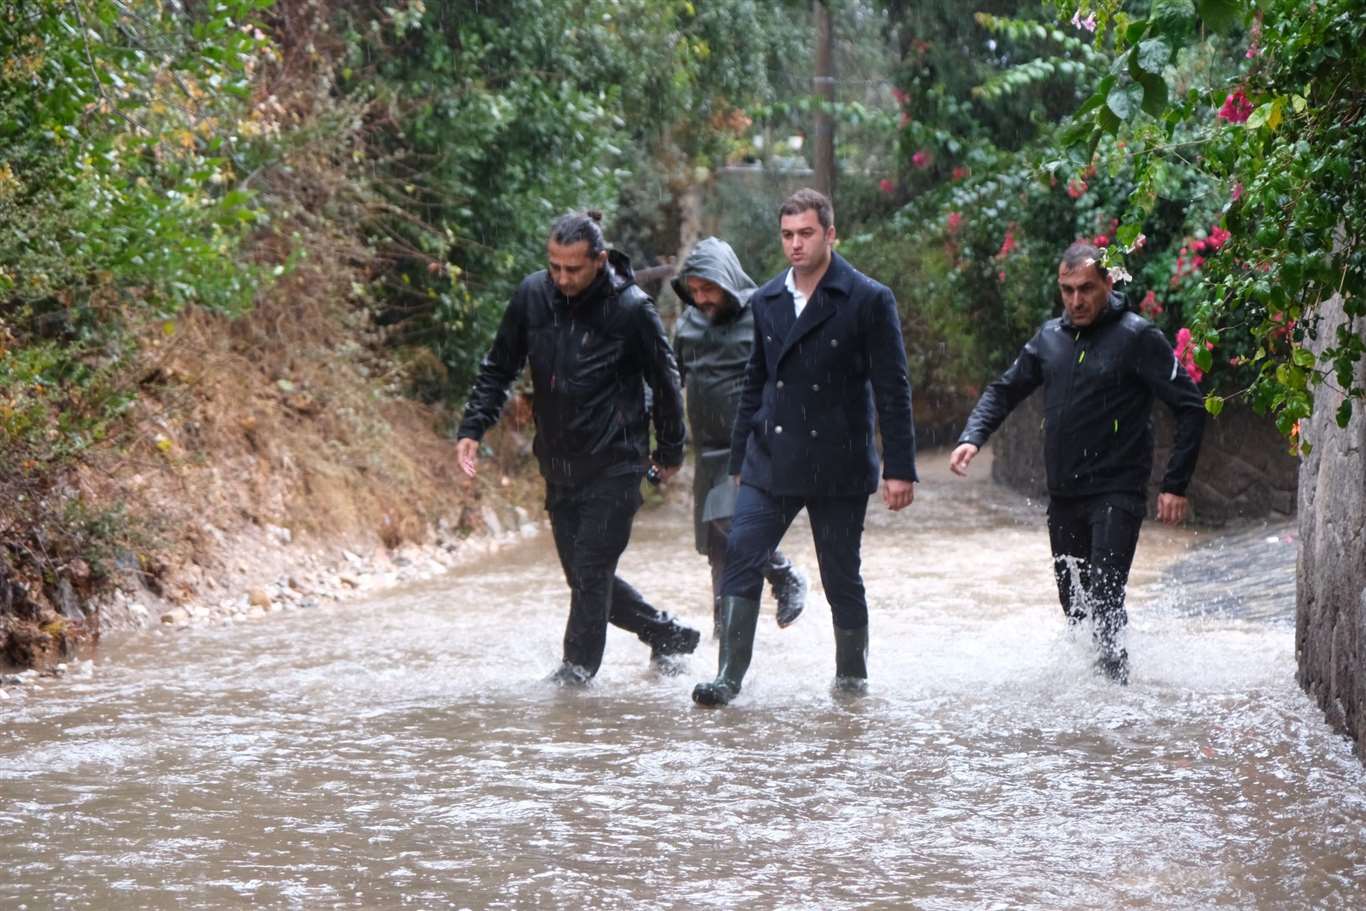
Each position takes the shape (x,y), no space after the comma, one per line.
(405,753)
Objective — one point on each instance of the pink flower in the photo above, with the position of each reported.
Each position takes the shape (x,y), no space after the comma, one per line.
(1007,244)
(900,95)
(1101,240)
(955,222)
(960,172)
(1185,353)
(1236,109)
(922,159)
(1217,238)
(1076,187)
(886,186)
(1237,191)
(1150,306)
(904,120)
(1089,23)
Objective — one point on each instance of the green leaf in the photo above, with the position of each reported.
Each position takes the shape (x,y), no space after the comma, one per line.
(1153,55)
(1219,15)
(1125,235)
(1173,18)
(1154,94)
(1302,357)
(1125,100)
(1214,404)
(1344,415)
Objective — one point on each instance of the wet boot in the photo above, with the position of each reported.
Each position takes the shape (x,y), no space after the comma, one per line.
(851,661)
(570,675)
(739,616)
(678,641)
(789,589)
(1111,660)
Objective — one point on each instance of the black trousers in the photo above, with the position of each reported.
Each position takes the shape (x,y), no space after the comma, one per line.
(761,520)
(591,524)
(718,531)
(1093,541)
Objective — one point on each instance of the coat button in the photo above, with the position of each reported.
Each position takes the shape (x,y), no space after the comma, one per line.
(780,384)
(778,429)
(815,387)
(834,343)
(814,434)
(768,338)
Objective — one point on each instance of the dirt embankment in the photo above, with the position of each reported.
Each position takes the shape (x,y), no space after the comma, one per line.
(272,462)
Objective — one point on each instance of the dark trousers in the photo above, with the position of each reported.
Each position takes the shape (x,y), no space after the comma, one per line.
(1093,541)
(718,532)
(761,520)
(592,525)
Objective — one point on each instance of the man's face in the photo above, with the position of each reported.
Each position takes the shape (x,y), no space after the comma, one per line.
(805,243)
(708,297)
(1084,293)
(572,269)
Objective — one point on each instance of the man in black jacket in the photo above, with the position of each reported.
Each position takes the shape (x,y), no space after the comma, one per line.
(1100,366)
(593,341)
(714,337)
(828,357)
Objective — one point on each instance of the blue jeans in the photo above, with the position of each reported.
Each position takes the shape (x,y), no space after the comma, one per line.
(761,520)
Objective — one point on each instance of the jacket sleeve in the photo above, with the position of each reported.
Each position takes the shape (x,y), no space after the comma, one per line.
(1162,372)
(756,372)
(661,374)
(497,370)
(1000,397)
(886,353)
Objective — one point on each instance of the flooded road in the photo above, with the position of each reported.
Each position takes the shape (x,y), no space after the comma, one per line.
(405,753)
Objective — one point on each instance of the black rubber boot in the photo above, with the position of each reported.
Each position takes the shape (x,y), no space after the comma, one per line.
(739,616)
(851,661)
(789,589)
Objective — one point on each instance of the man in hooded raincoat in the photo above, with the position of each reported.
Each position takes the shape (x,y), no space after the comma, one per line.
(713,341)
(1100,366)
(594,344)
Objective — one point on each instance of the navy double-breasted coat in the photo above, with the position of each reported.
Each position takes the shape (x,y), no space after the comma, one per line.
(817,386)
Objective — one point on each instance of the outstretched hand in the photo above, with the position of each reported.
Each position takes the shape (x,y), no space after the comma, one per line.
(961,458)
(897,494)
(467,454)
(1171,508)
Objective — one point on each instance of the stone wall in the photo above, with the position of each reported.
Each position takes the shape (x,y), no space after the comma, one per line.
(1330,616)
(1245,470)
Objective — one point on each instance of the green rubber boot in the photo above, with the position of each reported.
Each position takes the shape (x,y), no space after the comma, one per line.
(739,616)
(851,661)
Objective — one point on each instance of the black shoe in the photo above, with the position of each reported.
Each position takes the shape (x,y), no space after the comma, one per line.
(739,616)
(1114,665)
(789,589)
(570,675)
(851,661)
(681,640)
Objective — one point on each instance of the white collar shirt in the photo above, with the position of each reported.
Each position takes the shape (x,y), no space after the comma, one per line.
(798,298)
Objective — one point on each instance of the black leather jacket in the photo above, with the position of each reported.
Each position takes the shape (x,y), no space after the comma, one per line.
(1099,383)
(591,359)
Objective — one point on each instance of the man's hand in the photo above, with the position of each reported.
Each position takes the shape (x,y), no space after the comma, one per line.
(897,494)
(961,458)
(664,473)
(467,454)
(1171,508)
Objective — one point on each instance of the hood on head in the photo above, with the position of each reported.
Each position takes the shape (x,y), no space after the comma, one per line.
(713,259)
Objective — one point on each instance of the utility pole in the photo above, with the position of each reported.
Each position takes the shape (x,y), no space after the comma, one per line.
(823,88)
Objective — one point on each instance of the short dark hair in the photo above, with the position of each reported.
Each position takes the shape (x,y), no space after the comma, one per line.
(578,227)
(806,199)
(1082,254)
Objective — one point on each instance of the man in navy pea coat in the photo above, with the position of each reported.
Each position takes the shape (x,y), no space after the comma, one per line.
(828,362)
